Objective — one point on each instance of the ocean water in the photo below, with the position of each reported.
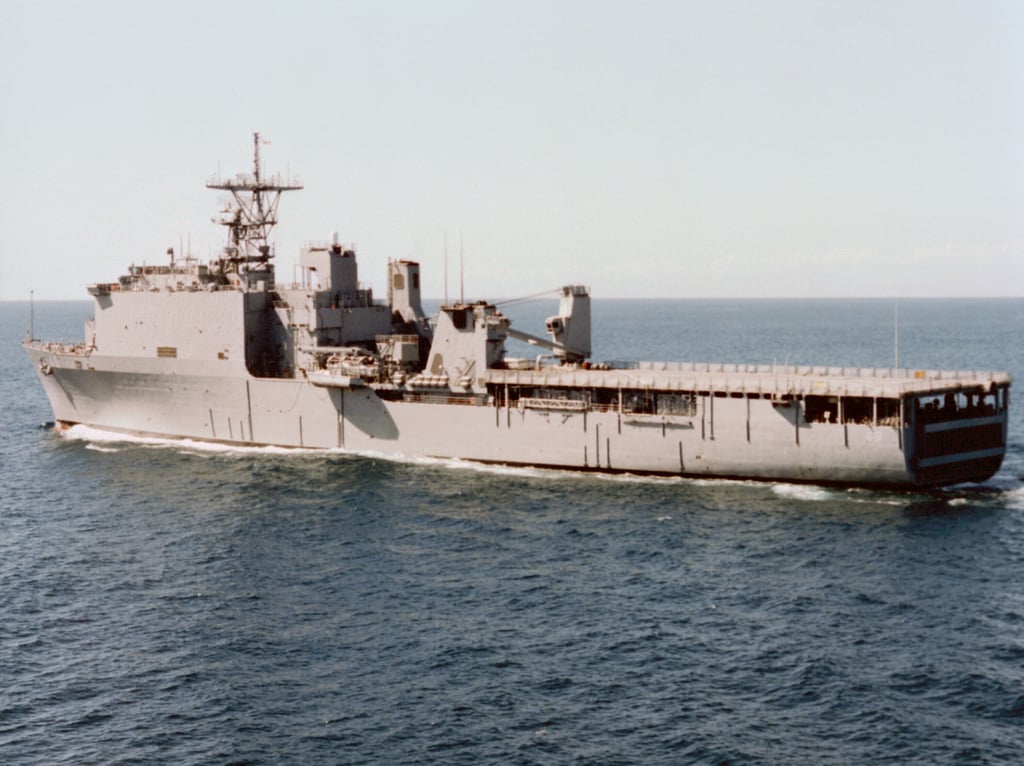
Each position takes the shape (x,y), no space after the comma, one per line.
(183,603)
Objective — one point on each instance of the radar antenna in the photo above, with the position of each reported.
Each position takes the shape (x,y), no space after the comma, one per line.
(252,213)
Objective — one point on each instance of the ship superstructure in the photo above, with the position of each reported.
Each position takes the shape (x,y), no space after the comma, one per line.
(221,351)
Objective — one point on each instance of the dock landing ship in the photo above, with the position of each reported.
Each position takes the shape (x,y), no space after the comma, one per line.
(221,351)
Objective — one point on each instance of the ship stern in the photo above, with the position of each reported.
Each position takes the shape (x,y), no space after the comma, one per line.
(954,437)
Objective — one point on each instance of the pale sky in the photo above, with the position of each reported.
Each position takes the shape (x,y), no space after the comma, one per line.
(647,149)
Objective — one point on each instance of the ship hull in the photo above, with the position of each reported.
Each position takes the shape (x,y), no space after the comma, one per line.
(726,437)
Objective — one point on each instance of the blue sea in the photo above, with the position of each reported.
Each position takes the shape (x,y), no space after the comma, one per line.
(184,603)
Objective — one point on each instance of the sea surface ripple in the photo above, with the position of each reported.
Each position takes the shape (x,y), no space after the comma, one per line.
(168,602)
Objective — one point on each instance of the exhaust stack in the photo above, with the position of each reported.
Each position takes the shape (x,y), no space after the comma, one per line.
(570,329)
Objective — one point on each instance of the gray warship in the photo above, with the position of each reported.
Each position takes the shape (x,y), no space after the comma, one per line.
(220,351)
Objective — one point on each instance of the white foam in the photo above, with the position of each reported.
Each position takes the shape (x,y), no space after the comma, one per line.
(633,478)
(817,494)
(1015,497)
(452,463)
(90,434)
(895,501)
(725,482)
(96,436)
(1007,491)
(803,492)
(98,448)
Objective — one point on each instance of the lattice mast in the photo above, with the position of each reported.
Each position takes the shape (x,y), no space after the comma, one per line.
(251,214)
